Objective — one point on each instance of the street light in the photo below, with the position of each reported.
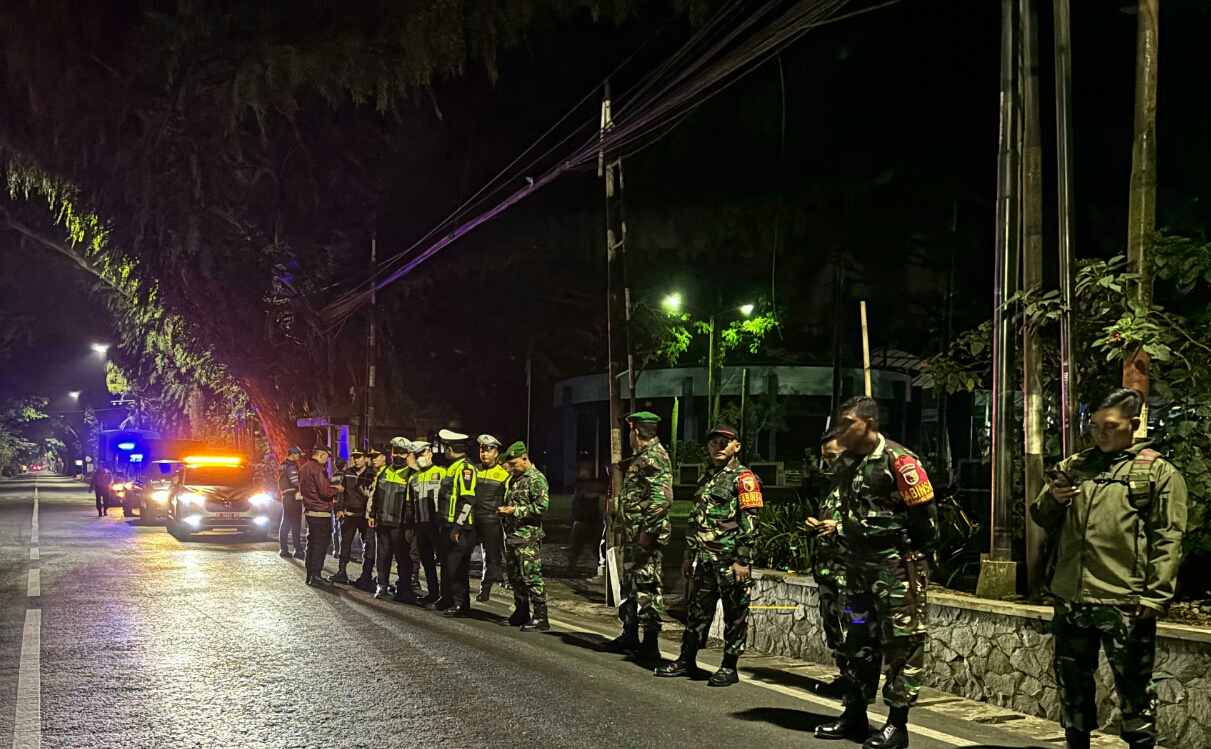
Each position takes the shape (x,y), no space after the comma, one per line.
(673,302)
(100,348)
(746,309)
(74,394)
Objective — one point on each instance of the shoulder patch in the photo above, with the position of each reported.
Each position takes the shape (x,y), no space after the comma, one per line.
(911,480)
(749,491)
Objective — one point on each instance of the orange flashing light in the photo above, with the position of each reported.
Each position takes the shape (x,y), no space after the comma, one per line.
(212,460)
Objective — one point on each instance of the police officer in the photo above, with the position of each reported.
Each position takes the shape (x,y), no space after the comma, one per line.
(423,487)
(1116,513)
(386,512)
(888,527)
(350,506)
(459,483)
(828,568)
(647,495)
(718,557)
(526,499)
(291,527)
(476,522)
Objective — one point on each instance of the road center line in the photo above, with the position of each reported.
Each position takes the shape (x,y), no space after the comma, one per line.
(33,553)
(34,589)
(27,726)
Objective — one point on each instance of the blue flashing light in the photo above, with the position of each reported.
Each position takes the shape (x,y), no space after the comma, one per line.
(126,445)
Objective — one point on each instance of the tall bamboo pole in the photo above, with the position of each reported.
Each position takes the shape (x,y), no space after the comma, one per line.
(1032,280)
(865,352)
(838,327)
(1006,272)
(1141,212)
(1064,179)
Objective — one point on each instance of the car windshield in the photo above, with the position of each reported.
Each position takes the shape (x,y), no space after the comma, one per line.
(218,475)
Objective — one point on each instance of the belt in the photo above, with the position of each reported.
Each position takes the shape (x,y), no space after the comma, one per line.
(317,514)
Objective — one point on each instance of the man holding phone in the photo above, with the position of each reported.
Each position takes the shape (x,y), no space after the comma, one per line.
(1117,513)
(828,568)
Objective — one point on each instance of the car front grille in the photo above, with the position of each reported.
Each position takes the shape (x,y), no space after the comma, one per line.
(230,505)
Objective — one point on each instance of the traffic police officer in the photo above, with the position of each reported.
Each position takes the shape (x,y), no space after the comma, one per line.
(291,527)
(1117,514)
(423,487)
(888,526)
(647,495)
(386,512)
(459,483)
(526,499)
(476,522)
(718,557)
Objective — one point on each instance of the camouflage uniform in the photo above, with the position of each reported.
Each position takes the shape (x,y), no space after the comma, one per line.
(888,522)
(1117,545)
(723,527)
(528,494)
(647,495)
(828,568)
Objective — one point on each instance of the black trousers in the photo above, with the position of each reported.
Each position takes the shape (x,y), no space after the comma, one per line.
(423,540)
(319,535)
(441,550)
(102,505)
(490,535)
(393,546)
(292,513)
(351,525)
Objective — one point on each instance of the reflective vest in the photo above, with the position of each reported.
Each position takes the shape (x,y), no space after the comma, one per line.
(390,496)
(459,485)
(423,488)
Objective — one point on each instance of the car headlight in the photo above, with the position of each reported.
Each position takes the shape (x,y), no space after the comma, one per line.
(160,495)
(117,487)
(260,499)
(128,485)
(191,498)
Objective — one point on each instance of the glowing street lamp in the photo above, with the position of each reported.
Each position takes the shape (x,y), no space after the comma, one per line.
(74,394)
(673,302)
(100,348)
(746,309)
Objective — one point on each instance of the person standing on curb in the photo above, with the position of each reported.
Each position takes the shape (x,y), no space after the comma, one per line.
(1117,514)
(718,557)
(526,500)
(647,496)
(290,528)
(889,526)
(828,569)
(351,514)
(317,494)
(387,511)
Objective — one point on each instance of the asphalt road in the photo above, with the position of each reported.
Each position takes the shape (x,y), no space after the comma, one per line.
(133,639)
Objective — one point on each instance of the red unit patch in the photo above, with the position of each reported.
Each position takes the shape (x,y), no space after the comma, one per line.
(912,481)
(749,493)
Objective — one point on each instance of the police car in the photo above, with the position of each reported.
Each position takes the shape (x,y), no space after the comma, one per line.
(219,494)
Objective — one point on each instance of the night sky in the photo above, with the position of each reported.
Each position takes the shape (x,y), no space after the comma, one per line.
(890,136)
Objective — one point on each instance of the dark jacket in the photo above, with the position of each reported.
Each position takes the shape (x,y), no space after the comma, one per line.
(288,479)
(390,495)
(357,485)
(316,492)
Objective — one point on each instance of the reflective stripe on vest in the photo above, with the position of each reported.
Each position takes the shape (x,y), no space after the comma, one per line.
(462,477)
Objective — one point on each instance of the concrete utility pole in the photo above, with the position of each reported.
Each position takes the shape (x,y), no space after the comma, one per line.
(370,348)
(1064,178)
(1032,280)
(615,288)
(1141,212)
(998,572)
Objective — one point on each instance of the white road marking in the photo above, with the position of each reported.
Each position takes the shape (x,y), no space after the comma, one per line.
(34,588)
(33,553)
(929,733)
(27,726)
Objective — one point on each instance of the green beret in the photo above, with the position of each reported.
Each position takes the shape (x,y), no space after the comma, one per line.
(643,417)
(516,450)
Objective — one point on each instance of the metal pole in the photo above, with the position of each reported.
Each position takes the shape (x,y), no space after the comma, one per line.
(1032,280)
(1141,211)
(1005,284)
(1064,178)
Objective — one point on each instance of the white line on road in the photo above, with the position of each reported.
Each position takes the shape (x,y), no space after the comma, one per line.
(27,727)
(33,553)
(35,583)
(33,534)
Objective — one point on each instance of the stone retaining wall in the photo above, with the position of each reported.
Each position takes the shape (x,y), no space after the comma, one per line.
(999,653)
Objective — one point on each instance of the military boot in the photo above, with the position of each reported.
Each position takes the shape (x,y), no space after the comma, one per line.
(521,615)
(852,725)
(888,737)
(340,577)
(1076,739)
(685,665)
(650,649)
(485,592)
(538,623)
(625,643)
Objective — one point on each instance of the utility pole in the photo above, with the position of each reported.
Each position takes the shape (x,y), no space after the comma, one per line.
(1064,179)
(370,346)
(1032,280)
(838,328)
(1141,211)
(615,285)
(997,573)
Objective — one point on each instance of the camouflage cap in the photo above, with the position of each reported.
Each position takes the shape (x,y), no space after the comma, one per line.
(643,417)
(516,450)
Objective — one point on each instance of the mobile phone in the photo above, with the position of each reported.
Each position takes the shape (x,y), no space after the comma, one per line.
(1058,477)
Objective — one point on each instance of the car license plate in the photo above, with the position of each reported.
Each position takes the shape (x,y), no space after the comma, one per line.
(227,515)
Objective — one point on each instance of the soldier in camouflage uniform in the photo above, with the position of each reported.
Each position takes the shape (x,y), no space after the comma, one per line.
(526,499)
(647,495)
(888,525)
(1116,513)
(828,568)
(718,557)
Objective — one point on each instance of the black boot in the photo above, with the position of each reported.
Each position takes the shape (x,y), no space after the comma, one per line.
(485,592)
(625,643)
(650,649)
(894,734)
(1076,739)
(537,623)
(365,582)
(852,724)
(726,675)
(341,577)
(685,665)
(521,615)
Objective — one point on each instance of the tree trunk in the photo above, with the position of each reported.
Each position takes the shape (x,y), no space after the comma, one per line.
(1141,217)
(280,432)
